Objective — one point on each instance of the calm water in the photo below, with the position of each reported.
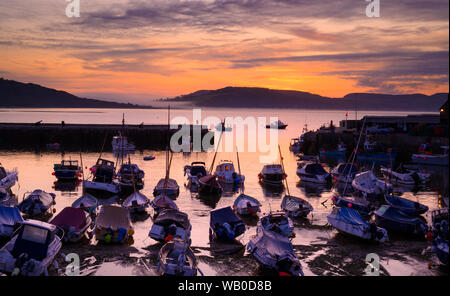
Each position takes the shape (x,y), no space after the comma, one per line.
(321,249)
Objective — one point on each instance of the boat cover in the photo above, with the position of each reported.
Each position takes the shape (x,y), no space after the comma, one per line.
(9,216)
(169,216)
(351,216)
(394,214)
(70,217)
(209,179)
(135,199)
(224,215)
(275,244)
(85,202)
(113,217)
(171,184)
(405,204)
(196,170)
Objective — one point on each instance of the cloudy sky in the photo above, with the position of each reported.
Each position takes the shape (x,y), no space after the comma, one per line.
(136,50)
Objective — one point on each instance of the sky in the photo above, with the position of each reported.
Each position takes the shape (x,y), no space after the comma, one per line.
(140,50)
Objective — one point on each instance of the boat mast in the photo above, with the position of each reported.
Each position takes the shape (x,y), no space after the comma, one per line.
(166,180)
(215,154)
(282,166)
(82,173)
(239,168)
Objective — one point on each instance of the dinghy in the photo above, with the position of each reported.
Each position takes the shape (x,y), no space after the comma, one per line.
(170,189)
(113,225)
(362,207)
(272,174)
(86,202)
(8,178)
(136,203)
(176,259)
(36,203)
(277,222)
(349,221)
(296,207)
(171,224)
(313,172)
(246,205)
(162,202)
(408,207)
(344,172)
(103,183)
(312,158)
(149,157)
(74,221)
(128,174)
(274,251)
(32,250)
(67,170)
(194,172)
(225,225)
(396,221)
(369,186)
(10,220)
(226,173)
(404,176)
(208,185)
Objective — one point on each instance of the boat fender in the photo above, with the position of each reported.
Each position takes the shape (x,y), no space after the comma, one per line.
(108,238)
(349,205)
(122,232)
(131,232)
(429,236)
(229,230)
(282,273)
(168,238)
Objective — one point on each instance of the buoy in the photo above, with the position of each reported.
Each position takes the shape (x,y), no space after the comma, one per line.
(349,205)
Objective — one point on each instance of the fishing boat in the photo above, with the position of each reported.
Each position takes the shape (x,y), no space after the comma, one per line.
(67,170)
(275,252)
(344,172)
(246,205)
(407,206)
(339,152)
(32,250)
(405,176)
(277,222)
(136,202)
(103,179)
(295,145)
(177,259)
(349,221)
(169,187)
(277,125)
(10,220)
(120,143)
(86,202)
(74,221)
(440,220)
(162,202)
(427,158)
(396,221)
(226,173)
(36,203)
(374,153)
(272,174)
(369,186)
(194,172)
(130,177)
(224,225)
(113,225)
(364,208)
(171,224)
(296,207)
(209,185)
(8,178)
(313,172)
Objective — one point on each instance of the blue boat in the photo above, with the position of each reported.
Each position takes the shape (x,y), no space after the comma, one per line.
(440,234)
(396,221)
(10,219)
(363,208)
(408,207)
(376,157)
(225,225)
(339,152)
(67,170)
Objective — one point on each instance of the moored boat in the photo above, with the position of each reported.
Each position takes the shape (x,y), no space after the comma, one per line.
(313,172)
(74,221)
(277,222)
(225,225)
(246,205)
(130,177)
(395,220)
(362,207)
(407,206)
(369,186)
(405,176)
(226,173)
(67,170)
(194,172)
(103,179)
(340,151)
(8,178)
(171,224)
(427,158)
(113,225)
(86,202)
(10,220)
(344,172)
(177,259)
(136,202)
(168,187)
(272,174)
(36,203)
(120,143)
(209,185)
(296,207)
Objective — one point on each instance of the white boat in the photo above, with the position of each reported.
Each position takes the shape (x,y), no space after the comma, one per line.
(113,225)
(168,188)
(405,176)
(8,178)
(313,172)
(296,207)
(103,178)
(295,145)
(369,186)
(32,250)
(36,203)
(246,205)
(349,221)
(120,143)
(272,174)
(136,202)
(194,172)
(344,172)
(277,222)
(277,125)
(226,173)
(432,159)
(177,259)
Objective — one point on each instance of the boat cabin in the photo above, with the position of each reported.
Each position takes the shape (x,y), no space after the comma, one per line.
(104,171)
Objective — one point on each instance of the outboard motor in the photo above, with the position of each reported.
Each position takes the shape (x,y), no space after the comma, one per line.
(373,230)
(284,267)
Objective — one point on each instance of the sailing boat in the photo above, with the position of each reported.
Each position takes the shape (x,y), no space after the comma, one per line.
(209,185)
(86,202)
(136,202)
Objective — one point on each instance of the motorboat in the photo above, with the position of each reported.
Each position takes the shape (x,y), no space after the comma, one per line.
(313,172)
(307,157)
(427,158)
(36,203)
(171,224)
(113,225)
(295,145)
(136,202)
(407,206)
(67,170)
(344,172)
(194,172)
(246,205)
(168,187)
(272,174)
(103,179)
(395,220)
(120,143)
(8,178)
(364,208)
(340,151)
(277,222)
(224,225)
(369,186)
(74,221)
(130,177)
(349,221)
(177,259)
(274,251)
(10,220)
(209,185)
(405,176)
(86,202)
(277,125)
(226,173)
(32,250)
(296,207)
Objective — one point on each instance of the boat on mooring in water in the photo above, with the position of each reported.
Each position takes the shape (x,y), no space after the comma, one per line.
(194,172)
(363,207)
(120,144)
(136,203)
(409,207)
(113,225)
(427,158)
(130,177)
(168,187)
(277,222)
(296,207)
(103,179)
(370,186)
(344,172)
(36,203)
(246,205)
(272,174)
(226,173)
(277,125)
(404,176)
(313,172)
(67,170)
(209,185)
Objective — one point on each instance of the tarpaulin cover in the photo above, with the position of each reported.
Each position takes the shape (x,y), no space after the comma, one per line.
(138,197)
(275,244)
(405,204)
(169,216)
(10,216)
(396,215)
(350,216)
(223,215)
(113,217)
(70,217)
